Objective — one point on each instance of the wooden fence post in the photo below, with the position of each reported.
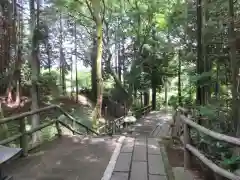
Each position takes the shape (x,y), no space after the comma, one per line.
(106,128)
(59,131)
(113,127)
(23,138)
(187,156)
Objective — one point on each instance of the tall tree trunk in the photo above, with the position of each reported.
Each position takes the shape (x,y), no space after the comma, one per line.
(9,13)
(34,71)
(19,57)
(206,61)
(98,61)
(235,70)
(93,71)
(200,66)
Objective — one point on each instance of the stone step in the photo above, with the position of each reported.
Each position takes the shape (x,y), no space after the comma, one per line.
(182,174)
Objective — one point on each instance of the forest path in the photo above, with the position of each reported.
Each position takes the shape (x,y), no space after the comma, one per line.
(137,156)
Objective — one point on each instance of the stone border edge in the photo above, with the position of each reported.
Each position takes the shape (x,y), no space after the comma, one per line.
(167,165)
(111,165)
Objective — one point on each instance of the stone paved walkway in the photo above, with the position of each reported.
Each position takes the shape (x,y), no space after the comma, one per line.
(140,157)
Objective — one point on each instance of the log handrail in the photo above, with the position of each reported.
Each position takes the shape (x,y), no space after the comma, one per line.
(143,111)
(190,150)
(29,113)
(215,135)
(22,135)
(116,123)
(26,114)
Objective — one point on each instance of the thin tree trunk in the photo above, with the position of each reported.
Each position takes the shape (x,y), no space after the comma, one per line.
(217,93)
(72,85)
(62,60)
(200,67)
(76,59)
(119,62)
(146,98)
(166,93)
(154,95)
(179,81)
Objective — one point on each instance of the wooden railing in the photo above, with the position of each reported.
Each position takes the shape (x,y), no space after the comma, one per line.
(181,120)
(23,134)
(117,124)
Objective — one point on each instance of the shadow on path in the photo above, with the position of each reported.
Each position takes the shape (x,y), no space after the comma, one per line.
(66,158)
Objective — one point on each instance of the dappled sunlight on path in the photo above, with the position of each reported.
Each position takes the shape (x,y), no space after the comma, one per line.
(67,158)
(147,124)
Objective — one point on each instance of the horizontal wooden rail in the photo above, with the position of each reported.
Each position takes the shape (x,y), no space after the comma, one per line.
(119,121)
(215,135)
(41,127)
(116,123)
(69,127)
(211,165)
(11,139)
(77,122)
(26,114)
(189,149)
(24,133)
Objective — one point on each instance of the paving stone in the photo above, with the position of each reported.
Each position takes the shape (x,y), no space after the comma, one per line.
(119,176)
(128,144)
(153,146)
(139,171)
(156,165)
(140,150)
(157,177)
(123,162)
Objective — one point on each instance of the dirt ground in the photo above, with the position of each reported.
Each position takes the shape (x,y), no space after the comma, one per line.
(66,158)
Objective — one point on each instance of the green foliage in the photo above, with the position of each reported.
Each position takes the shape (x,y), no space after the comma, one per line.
(136,109)
(84,80)
(231,163)
(201,77)
(48,83)
(209,111)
